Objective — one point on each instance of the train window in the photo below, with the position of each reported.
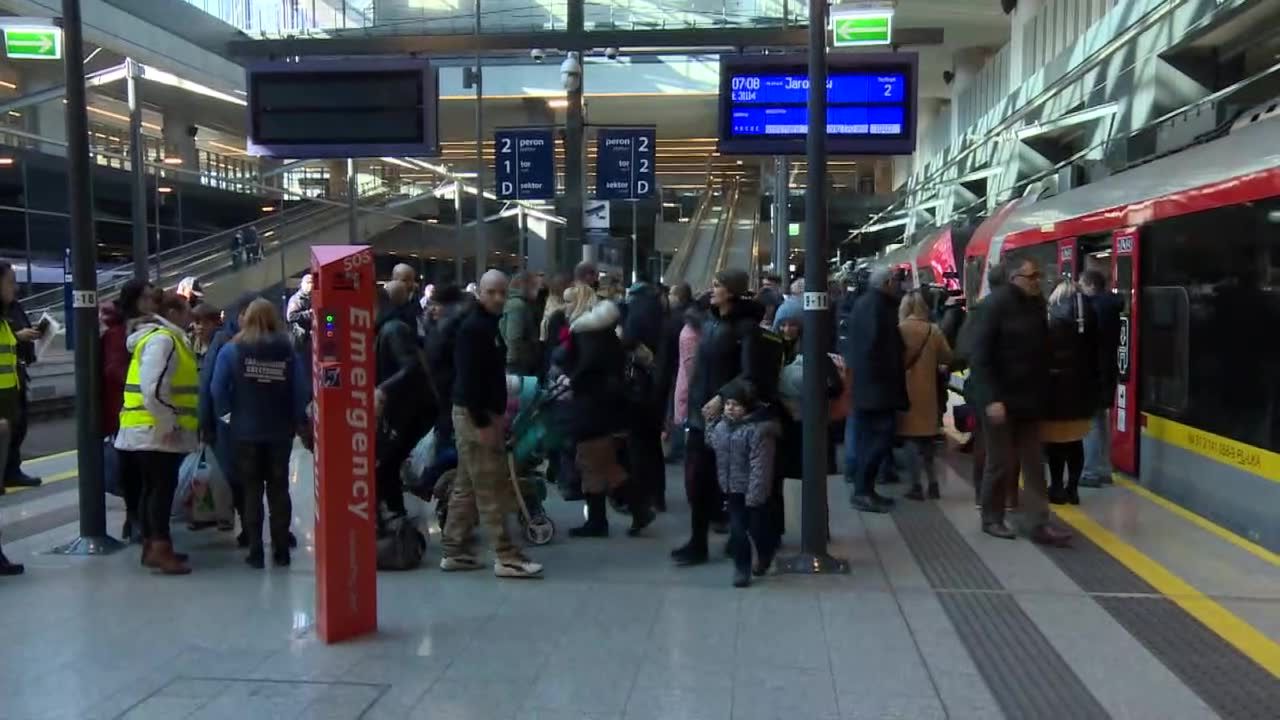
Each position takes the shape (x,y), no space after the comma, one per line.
(1209,354)
(1045,255)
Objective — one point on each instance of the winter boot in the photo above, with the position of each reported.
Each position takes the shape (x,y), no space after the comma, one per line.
(597,524)
(164,561)
(9,568)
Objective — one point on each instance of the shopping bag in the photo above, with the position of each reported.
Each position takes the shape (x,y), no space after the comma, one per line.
(218,491)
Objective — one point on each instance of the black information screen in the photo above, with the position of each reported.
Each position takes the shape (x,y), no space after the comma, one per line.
(303,110)
(870,104)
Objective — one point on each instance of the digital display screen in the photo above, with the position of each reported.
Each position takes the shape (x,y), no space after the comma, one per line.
(344,109)
(870,104)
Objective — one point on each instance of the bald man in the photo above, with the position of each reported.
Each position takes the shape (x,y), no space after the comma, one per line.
(481,486)
(404,399)
(406,274)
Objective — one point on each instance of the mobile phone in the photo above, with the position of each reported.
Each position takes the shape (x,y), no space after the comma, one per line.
(43,325)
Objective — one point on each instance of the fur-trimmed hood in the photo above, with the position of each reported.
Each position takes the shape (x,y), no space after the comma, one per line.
(603,316)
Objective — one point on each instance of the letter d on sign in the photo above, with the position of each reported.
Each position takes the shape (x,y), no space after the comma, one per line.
(346,554)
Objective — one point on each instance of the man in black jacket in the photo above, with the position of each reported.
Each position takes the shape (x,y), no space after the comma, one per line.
(1107,308)
(875,355)
(479,404)
(404,396)
(1011,366)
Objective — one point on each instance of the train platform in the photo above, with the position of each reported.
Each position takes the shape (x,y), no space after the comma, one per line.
(1153,613)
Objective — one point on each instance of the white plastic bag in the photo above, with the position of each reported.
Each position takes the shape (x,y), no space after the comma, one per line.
(203,495)
(423,454)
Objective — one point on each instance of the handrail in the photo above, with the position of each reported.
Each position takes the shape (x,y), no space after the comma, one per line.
(725,227)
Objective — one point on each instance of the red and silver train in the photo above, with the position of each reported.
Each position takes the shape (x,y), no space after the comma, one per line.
(1191,243)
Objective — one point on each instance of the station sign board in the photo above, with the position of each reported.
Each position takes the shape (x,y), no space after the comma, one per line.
(345,425)
(525,164)
(625,163)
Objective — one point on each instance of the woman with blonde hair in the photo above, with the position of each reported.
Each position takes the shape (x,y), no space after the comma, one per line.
(258,384)
(925,351)
(1075,374)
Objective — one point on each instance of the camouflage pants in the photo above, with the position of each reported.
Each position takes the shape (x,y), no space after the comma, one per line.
(481,493)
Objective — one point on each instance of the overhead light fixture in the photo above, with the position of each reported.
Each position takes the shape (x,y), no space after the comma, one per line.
(6,161)
(172,161)
(557,103)
(268,208)
(164,190)
(167,78)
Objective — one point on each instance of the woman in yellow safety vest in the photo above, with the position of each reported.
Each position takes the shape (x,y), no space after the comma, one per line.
(9,379)
(158,423)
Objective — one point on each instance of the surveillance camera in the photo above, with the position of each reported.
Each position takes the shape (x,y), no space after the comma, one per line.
(571,72)
(538,54)
(948,77)
(611,53)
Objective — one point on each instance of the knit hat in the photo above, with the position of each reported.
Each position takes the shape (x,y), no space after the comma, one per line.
(740,391)
(791,310)
(737,282)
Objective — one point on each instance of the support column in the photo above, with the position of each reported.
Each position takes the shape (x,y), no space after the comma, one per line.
(965,64)
(781,196)
(482,242)
(47,119)
(574,125)
(1019,39)
(138,173)
(179,134)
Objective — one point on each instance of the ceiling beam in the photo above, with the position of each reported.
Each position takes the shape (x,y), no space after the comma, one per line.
(635,41)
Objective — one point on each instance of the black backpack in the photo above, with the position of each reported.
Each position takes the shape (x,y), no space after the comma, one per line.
(400,545)
(767,361)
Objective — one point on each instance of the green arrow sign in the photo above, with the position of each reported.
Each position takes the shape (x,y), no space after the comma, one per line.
(861,29)
(33,43)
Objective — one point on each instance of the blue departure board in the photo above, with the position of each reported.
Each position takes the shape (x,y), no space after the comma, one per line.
(870,104)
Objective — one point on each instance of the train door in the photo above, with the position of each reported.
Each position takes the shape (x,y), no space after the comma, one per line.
(1126,418)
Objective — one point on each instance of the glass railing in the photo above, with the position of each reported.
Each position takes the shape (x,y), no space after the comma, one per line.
(280,18)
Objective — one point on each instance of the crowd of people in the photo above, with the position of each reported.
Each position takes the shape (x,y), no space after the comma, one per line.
(643,375)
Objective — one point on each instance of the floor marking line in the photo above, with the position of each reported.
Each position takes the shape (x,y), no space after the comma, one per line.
(57,477)
(1199,521)
(54,456)
(1236,632)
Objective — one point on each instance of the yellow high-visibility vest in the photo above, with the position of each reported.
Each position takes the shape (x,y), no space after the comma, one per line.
(185,388)
(8,357)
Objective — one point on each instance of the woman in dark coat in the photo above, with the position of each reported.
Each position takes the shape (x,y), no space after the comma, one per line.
(1075,375)
(595,363)
(726,352)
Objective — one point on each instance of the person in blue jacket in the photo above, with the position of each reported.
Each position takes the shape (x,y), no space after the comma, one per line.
(260,391)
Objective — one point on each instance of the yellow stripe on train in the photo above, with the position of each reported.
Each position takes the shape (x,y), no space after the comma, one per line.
(1248,458)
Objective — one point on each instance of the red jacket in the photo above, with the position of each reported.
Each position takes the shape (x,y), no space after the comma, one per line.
(115,364)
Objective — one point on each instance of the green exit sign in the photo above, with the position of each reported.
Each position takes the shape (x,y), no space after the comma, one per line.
(33,43)
(861,28)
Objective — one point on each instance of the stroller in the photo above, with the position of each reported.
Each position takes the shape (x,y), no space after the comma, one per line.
(531,438)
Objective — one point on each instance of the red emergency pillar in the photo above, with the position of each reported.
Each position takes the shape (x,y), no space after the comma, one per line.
(344,378)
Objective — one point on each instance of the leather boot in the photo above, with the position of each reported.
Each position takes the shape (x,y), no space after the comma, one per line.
(164,561)
(9,568)
(597,524)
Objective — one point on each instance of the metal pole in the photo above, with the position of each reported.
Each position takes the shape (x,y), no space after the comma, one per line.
(813,557)
(159,270)
(138,172)
(482,246)
(635,241)
(93,539)
(26,219)
(458,263)
(781,224)
(353,203)
(575,193)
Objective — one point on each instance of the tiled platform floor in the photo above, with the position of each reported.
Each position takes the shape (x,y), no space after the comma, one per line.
(613,631)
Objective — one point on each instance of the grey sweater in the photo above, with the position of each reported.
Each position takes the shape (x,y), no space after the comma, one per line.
(745,454)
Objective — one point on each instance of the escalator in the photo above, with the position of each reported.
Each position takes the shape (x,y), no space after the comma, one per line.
(740,250)
(695,261)
(286,246)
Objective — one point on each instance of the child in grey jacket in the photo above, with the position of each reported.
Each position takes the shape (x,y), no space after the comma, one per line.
(745,442)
